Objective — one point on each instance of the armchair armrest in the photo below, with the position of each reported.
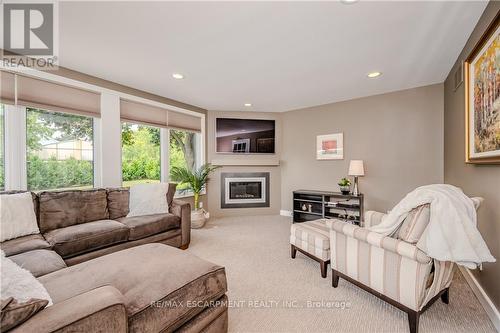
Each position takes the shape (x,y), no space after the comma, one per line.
(373,218)
(183,210)
(98,310)
(390,244)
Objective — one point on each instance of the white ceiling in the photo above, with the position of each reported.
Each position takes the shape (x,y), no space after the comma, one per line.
(278,56)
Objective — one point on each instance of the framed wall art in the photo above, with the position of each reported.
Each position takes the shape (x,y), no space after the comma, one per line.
(482,98)
(330,147)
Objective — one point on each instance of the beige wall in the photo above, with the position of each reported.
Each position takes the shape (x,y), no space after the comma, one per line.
(399,136)
(246,163)
(477,180)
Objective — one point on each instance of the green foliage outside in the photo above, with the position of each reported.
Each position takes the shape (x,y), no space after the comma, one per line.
(52,174)
(44,174)
(140,151)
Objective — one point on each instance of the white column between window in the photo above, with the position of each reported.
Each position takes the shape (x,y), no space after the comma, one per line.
(15,148)
(110,157)
(97,140)
(164,155)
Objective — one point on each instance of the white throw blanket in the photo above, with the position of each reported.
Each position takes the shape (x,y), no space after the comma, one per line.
(451,234)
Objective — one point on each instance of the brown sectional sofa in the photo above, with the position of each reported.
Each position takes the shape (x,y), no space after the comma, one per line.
(117,280)
(80,225)
(149,288)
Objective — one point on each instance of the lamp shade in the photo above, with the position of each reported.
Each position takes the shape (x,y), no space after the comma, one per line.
(356,168)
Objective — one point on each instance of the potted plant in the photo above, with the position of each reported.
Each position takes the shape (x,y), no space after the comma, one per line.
(345,186)
(195,181)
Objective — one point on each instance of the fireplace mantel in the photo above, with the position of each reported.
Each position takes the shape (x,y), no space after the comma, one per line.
(248,160)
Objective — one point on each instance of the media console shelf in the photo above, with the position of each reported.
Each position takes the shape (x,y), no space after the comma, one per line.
(313,205)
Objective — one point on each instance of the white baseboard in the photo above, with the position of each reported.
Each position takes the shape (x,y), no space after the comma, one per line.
(286,213)
(485,301)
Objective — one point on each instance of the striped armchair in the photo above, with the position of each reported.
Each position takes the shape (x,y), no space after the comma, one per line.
(391,269)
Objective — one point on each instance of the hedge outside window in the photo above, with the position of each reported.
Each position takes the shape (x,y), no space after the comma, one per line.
(59,150)
(141,161)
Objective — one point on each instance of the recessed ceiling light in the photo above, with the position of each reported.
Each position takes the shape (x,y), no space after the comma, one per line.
(374,74)
(248,105)
(348,2)
(177,76)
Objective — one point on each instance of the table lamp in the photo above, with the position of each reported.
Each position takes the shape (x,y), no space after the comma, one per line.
(356,169)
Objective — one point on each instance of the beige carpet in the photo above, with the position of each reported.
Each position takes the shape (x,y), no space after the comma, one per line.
(270,291)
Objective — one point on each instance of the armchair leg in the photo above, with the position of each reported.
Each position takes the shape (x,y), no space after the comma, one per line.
(445,297)
(335,279)
(323,266)
(413,317)
(293,251)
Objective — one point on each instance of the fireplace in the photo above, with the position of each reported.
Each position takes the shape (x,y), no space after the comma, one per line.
(244,190)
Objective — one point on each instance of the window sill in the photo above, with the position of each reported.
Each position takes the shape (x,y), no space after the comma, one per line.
(187,194)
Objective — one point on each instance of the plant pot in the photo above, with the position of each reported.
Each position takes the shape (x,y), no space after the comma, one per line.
(198,218)
(345,190)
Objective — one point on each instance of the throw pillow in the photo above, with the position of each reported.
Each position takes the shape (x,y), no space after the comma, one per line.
(148,199)
(20,284)
(414,224)
(15,313)
(17,216)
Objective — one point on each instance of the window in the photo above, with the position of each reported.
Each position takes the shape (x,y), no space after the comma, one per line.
(184,150)
(59,150)
(2,148)
(140,154)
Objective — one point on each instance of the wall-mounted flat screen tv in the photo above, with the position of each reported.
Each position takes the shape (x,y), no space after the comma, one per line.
(245,136)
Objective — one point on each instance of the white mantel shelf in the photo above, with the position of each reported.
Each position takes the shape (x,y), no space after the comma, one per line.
(254,161)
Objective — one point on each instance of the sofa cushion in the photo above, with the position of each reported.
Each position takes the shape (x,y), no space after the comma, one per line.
(147,225)
(59,209)
(118,202)
(149,277)
(414,224)
(24,244)
(85,237)
(39,262)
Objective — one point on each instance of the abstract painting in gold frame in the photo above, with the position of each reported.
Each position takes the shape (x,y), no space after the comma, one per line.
(482,98)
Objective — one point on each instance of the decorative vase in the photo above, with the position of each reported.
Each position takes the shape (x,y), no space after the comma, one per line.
(345,189)
(198,218)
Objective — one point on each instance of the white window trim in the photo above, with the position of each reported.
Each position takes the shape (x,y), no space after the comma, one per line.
(164,155)
(15,148)
(97,145)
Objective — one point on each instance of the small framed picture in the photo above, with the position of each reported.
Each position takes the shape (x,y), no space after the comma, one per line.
(330,147)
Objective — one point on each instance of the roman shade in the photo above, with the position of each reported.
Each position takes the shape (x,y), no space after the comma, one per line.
(51,96)
(177,120)
(7,88)
(143,113)
(136,112)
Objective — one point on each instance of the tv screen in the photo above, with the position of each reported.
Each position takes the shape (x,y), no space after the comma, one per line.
(245,136)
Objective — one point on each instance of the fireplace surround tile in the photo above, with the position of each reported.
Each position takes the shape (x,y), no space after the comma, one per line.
(245,189)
